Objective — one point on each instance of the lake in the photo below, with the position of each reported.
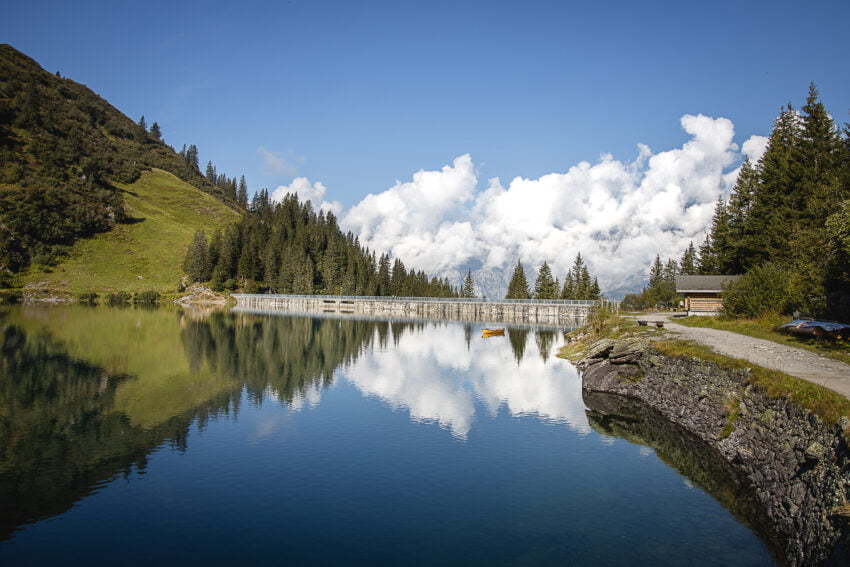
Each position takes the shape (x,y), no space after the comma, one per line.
(131,436)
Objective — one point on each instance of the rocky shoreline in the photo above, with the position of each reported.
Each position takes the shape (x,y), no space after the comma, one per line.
(789,470)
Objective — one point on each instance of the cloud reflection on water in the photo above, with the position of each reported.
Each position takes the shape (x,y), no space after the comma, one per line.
(436,376)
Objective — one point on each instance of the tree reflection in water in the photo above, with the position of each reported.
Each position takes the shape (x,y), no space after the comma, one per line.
(88,393)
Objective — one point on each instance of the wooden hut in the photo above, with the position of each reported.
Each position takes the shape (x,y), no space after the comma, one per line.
(702,293)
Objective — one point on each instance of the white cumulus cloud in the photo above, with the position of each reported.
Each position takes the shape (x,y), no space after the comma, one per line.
(617,214)
(306,191)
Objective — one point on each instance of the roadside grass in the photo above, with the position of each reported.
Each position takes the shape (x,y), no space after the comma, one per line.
(763,328)
(825,403)
(147,252)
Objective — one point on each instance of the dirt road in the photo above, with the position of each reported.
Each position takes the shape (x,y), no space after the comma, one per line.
(798,362)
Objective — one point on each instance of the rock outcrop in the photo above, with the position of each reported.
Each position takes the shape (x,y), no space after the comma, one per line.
(197,294)
(794,467)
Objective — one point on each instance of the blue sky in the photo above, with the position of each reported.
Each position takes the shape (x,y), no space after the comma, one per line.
(359,94)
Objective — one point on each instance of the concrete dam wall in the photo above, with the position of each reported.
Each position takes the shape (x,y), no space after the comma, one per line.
(571,313)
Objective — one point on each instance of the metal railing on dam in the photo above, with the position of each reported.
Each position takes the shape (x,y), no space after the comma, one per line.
(569,312)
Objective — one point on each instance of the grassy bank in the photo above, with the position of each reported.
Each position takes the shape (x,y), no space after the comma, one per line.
(763,328)
(147,252)
(604,325)
(825,403)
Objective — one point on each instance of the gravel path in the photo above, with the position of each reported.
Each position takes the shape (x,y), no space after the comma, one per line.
(798,362)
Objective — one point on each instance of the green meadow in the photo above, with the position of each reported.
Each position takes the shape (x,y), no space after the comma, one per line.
(145,253)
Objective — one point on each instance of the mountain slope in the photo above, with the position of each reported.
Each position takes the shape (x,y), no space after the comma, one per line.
(64,151)
(147,251)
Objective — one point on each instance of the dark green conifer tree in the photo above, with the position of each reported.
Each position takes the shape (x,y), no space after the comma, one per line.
(384,275)
(239,195)
(568,291)
(720,245)
(545,287)
(707,264)
(242,194)
(192,156)
(737,209)
(518,286)
(688,263)
(397,279)
(196,264)
(656,272)
(595,291)
(771,216)
(156,133)
(468,289)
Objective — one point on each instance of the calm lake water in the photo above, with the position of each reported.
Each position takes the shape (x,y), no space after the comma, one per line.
(131,436)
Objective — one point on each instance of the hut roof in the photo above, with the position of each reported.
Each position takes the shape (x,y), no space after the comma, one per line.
(703,284)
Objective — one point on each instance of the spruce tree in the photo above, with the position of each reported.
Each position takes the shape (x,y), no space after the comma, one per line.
(656,272)
(584,283)
(518,286)
(196,264)
(688,263)
(211,174)
(215,248)
(721,239)
(468,289)
(156,133)
(384,275)
(595,291)
(397,279)
(544,287)
(772,215)
(671,268)
(568,291)
(707,264)
(738,208)
(192,156)
(580,278)
(242,194)
(142,124)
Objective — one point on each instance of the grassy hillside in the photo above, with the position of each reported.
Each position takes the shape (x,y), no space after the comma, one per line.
(146,252)
(64,151)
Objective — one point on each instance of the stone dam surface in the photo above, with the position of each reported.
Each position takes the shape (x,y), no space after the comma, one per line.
(556,312)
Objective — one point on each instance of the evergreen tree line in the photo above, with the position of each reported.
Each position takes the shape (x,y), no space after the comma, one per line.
(232,190)
(154,131)
(661,289)
(789,209)
(287,247)
(236,192)
(578,283)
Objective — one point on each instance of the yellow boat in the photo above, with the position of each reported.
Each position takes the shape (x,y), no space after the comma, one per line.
(492,333)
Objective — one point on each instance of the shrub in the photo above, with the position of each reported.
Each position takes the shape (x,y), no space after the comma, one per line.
(761,291)
(9,296)
(146,297)
(87,298)
(118,298)
(599,319)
